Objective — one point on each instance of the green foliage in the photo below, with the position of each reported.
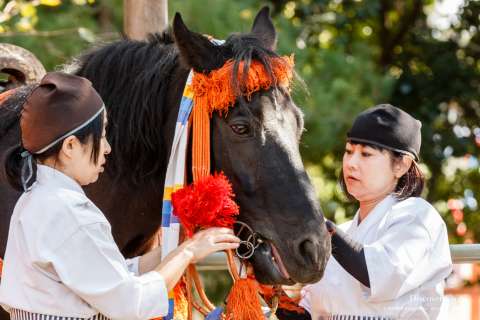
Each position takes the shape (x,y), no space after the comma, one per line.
(350,54)
(57,32)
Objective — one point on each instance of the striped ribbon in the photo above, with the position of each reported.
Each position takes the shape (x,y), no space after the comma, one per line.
(353,317)
(175,176)
(175,179)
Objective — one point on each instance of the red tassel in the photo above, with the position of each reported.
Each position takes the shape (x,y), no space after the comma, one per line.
(206,203)
(243,302)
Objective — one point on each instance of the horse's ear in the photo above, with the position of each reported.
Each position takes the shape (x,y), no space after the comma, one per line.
(196,50)
(264,30)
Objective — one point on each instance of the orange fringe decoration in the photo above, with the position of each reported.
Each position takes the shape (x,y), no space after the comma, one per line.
(214,92)
(285,302)
(1,267)
(243,302)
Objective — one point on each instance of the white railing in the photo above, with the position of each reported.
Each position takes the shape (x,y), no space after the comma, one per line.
(465,253)
(461,253)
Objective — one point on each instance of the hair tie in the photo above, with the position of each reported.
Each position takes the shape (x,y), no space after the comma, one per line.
(27,169)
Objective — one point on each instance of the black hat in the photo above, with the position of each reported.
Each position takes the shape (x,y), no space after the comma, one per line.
(388,127)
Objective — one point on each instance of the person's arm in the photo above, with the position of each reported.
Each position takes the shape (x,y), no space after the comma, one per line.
(349,254)
(91,265)
(202,244)
(150,260)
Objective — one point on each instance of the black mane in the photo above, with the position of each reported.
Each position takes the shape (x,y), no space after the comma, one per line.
(11,108)
(133,78)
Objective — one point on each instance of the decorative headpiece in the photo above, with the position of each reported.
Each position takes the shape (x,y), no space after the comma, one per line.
(216,91)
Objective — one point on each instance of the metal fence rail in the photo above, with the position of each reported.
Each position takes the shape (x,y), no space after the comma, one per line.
(465,253)
(461,253)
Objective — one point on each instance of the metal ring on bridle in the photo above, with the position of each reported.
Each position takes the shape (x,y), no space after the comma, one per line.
(251,243)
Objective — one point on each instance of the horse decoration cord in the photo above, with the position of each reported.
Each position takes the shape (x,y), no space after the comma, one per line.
(209,200)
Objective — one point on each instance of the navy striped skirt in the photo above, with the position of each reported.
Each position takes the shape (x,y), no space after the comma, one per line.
(351,317)
(16,314)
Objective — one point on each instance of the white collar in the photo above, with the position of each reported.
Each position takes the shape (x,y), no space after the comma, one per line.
(374,216)
(54,178)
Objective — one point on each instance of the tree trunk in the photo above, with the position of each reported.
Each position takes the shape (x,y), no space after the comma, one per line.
(142,17)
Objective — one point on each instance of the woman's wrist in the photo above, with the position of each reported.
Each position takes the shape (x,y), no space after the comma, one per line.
(187,251)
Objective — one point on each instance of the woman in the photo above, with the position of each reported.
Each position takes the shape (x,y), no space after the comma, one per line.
(61,260)
(391,260)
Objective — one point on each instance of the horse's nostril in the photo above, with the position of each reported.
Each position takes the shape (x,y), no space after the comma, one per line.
(309,251)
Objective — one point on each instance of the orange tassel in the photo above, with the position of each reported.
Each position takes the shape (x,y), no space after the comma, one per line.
(180,310)
(1,267)
(243,302)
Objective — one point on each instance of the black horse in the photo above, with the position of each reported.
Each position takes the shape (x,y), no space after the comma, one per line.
(255,145)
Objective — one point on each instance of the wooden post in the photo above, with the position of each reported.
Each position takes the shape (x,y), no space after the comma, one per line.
(141,17)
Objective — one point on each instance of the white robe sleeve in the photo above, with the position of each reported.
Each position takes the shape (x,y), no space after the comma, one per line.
(403,258)
(91,265)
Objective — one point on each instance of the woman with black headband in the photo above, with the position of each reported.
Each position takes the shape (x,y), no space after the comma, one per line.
(61,261)
(391,260)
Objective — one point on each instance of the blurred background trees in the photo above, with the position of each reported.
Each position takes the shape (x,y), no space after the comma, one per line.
(423,56)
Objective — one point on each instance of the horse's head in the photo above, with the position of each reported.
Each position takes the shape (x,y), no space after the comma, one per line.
(256,144)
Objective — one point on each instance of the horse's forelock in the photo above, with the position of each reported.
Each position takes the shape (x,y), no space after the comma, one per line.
(247,48)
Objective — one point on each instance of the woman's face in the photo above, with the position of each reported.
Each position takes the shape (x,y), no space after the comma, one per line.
(79,164)
(368,173)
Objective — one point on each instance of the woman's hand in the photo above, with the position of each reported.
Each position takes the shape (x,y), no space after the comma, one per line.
(210,240)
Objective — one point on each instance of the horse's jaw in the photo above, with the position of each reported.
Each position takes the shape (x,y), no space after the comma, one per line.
(269,267)
(276,267)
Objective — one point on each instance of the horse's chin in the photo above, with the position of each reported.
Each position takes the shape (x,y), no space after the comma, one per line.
(267,270)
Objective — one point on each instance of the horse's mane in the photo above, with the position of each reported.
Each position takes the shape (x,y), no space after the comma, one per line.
(11,108)
(133,78)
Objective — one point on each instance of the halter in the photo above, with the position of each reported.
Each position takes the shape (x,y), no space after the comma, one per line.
(253,240)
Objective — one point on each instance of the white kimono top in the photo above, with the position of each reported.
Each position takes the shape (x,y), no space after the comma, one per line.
(408,258)
(61,259)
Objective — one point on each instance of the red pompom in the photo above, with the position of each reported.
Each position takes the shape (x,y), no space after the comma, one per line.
(206,203)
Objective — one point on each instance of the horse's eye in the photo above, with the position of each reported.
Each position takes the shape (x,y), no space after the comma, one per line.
(240,129)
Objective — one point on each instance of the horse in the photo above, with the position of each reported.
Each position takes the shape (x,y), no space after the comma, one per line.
(256,145)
